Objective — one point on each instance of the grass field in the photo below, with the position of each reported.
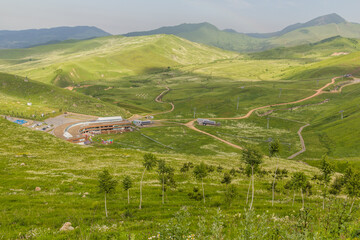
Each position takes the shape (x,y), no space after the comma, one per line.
(123,76)
(65,172)
(111,58)
(46,99)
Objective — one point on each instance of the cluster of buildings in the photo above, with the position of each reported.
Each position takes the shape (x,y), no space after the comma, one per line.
(80,132)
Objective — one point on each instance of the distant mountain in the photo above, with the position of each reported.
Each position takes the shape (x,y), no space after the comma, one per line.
(34,37)
(319,21)
(230,30)
(207,33)
(298,34)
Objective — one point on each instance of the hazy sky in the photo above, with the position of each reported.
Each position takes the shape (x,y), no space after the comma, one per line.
(122,16)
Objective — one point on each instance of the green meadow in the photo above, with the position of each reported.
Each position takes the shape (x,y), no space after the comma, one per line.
(122,76)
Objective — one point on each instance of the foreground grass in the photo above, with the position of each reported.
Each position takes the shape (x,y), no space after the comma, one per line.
(65,173)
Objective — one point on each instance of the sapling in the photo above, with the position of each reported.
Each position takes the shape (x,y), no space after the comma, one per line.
(327,171)
(274,149)
(253,158)
(166,177)
(107,185)
(148,163)
(127,184)
(200,172)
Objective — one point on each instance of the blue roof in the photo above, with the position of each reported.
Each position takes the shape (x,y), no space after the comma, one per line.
(21,122)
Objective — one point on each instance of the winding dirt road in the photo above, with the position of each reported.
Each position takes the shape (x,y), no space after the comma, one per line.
(303,147)
(191,125)
(159,100)
(317,93)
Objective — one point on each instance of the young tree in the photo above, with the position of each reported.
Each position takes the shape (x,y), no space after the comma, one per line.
(186,167)
(149,163)
(289,185)
(127,184)
(352,185)
(226,179)
(274,149)
(327,171)
(300,182)
(166,177)
(200,172)
(337,185)
(253,158)
(230,194)
(106,184)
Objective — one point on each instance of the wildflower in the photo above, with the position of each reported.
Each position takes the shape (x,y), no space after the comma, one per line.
(258,216)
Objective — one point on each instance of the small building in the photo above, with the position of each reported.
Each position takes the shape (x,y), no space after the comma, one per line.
(140,123)
(206,122)
(109,119)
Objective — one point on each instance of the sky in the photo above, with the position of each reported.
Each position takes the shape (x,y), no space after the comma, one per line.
(123,16)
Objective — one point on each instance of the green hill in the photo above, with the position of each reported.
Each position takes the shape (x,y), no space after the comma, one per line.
(322,20)
(317,33)
(108,58)
(313,31)
(207,33)
(16,93)
(313,51)
(335,66)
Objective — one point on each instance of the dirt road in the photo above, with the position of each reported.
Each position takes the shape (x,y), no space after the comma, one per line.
(159,100)
(191,126)
(247,115)
(303,147)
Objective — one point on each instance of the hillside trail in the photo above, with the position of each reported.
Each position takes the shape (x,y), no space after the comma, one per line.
(158,99)
(247,115)
(303,147)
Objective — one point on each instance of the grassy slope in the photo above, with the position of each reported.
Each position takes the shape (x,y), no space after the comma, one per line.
(209,34)
(15,94)
(312,51)
(317,33)
(226,40)
(65,172)
(243,43)
(106,58)
(334,66)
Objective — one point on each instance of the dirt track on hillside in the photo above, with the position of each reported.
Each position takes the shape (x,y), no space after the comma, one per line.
(159,100)
(303,147)
(317,93)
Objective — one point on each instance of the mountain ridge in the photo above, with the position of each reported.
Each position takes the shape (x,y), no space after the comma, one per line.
(322,20)
(312,31)
(10,39)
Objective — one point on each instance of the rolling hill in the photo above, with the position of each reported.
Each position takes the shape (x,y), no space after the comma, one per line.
(326,48)
(335,66)
(313,31)
(207,33)
(33,37)
(15,93)
(108,58)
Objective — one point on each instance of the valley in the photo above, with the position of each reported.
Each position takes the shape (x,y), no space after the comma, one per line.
(182,120)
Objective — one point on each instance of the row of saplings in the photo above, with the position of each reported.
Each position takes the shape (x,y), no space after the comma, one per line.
(253,158)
